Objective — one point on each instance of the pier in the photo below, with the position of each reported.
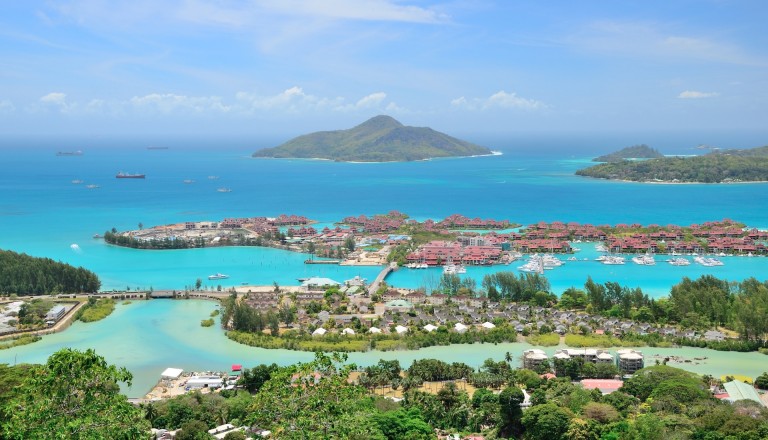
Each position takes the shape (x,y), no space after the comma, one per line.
(322,261)
(380,278)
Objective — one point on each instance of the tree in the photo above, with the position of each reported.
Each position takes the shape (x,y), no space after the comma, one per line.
(762,381)
(74,395)
(510,401)
(546,422)
(198,284)
(193,430)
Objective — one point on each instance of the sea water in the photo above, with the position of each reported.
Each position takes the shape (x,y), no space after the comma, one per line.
(43,213)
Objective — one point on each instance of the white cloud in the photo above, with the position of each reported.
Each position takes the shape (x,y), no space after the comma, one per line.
(371,10)
(6,107)
(295,100)
(56,98)
(694,94)
(170,103)
(500,99)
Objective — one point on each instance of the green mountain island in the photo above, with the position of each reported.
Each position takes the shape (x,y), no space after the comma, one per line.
(641,151)
(379,139)
(719,166)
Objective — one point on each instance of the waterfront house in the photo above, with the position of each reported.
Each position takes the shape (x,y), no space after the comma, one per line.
(629,361)
(534,357)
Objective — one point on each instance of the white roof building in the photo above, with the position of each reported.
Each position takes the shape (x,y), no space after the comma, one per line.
(400,329)
(430,328)
(488,325)
(459,327)
(319,332)
(347,331)
(374,330)
(171,373)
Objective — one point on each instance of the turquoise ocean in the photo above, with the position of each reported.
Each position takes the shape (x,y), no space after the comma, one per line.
(42,213)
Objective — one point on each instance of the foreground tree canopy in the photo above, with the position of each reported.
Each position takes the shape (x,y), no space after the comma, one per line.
(75,395)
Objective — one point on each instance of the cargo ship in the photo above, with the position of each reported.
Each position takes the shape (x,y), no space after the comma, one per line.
(122,175)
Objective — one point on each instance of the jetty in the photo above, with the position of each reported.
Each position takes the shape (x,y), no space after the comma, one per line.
(322,261)
(391,267)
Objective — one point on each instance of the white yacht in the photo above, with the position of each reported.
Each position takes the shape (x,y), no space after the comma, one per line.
(644,260)
(613,259)
(679,261)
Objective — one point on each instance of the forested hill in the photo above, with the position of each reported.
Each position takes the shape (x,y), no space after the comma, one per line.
(726,166)
(379,139)
(25,275)
(641,151)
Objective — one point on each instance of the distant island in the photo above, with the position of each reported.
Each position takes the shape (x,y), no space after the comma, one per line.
(379,139)
(641,151)
(720,166)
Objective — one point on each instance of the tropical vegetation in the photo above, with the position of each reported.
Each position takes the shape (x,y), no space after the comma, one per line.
(25,275)
(641,151)
(379,139)
(715,167)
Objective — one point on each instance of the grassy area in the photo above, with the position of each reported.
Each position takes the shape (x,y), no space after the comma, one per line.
(21,340)
(207,322)
(544,340)
(215,313)
(96,311)
(603,341)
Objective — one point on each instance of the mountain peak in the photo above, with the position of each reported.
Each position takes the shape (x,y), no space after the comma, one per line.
(380,122)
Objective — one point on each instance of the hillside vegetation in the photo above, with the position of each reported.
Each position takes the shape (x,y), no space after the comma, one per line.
(725,166)
(25,275)
(379,139)
(641,151)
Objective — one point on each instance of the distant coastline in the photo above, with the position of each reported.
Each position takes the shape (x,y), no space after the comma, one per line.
(492,153)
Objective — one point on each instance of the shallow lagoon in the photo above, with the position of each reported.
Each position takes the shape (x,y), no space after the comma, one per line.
(148,336)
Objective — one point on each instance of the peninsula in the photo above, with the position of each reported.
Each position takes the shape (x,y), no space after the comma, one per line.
(720,166)
(379,139)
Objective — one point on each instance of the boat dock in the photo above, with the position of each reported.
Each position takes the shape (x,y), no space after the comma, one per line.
(391,267)
(322,261)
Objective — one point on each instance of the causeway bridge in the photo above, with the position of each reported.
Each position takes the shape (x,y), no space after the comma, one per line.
(380,278)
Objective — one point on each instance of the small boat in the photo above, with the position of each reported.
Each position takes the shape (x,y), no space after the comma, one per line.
(224,190)
(96,236)
(92,186)
(679,261)
(213,177)
(613,260)
(69,153)
(218,276)
(644,260)
(77,181)
(188,181)
(122,175)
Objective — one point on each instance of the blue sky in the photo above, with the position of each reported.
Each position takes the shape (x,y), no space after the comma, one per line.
(285,67)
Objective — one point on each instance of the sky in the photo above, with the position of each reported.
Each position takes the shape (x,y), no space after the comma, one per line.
(283,68)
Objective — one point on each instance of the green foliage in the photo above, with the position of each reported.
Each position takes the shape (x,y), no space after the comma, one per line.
(510,410)
(643,383)
(762,381)
(380,139)
(193,430)
(403,425)
(313,400)
(252,380)
(641,151)
(543,339)
(207,322)
(74,395)
(710,168)
(18,341)
(97,310)
(512,287)
(25,275)
(546,422)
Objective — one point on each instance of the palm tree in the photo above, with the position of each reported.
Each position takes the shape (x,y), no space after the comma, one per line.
(508,358)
